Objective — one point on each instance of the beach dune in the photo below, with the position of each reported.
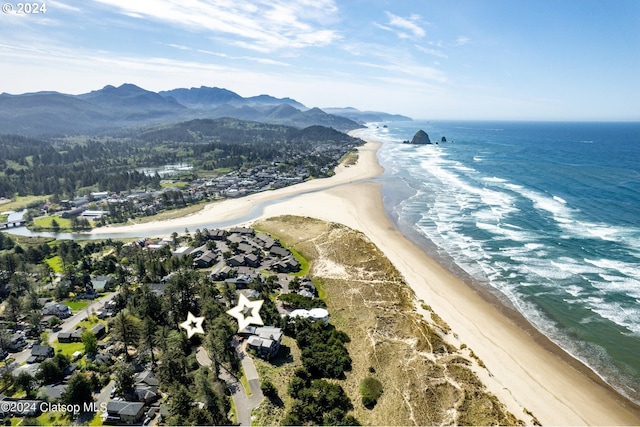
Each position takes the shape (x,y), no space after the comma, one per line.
(527,372)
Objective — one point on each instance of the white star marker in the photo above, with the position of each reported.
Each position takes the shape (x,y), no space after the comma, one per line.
(193,325)
(239,312)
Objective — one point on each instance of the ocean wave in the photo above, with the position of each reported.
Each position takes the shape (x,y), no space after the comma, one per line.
(547,249)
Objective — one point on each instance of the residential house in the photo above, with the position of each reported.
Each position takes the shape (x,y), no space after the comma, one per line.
(182,251)
(40,353)
(17,342)
(308,289)
(217,234)
(54,392)
(76,336)
(102,283)
(252,260)
(236,261)
(265,340)
(242,230)
(99,330)
(64,337)
(266,241)
(158,288)
(121,411)
(56,309)
(279,251)
(221,273)
(247,248)
(45,321)
(287,265)
(146,387)
(19,407)
(207,259)
(241,282)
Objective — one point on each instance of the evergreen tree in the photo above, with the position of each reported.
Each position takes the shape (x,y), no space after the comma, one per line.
(78,391)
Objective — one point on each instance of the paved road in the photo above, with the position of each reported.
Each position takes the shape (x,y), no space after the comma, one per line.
(69,325)
(244,405)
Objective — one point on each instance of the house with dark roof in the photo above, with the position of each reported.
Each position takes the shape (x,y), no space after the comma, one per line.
(252,260)
(54,392)
(265,340)
(236,261)
(221,272)
(122,411)
(19,407)
(40,353)
(146,387)
(207,259)
(266,241)
(64,337)
(279,252)
(241,282)
(247,248)
(287,265)
(99,330)
(217,234)
(56,309)
(76,336)
(17,342)
(242,230)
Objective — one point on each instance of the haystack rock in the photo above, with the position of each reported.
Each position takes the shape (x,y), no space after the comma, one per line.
(420,137)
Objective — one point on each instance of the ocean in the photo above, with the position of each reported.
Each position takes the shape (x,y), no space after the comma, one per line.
(545,215)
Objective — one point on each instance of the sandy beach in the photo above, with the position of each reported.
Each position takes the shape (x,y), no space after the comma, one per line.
(525,370)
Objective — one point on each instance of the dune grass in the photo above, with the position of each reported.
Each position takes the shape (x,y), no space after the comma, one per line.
(426,379)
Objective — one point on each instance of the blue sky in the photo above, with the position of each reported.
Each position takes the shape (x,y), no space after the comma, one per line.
(429,59)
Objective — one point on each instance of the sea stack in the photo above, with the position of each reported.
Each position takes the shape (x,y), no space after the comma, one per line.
(420,137)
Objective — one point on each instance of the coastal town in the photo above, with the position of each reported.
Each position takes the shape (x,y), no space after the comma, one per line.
(73,354)
(180,187)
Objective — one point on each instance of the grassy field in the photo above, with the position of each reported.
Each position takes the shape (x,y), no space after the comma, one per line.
(20,202)
(427,379)
(174,184)
(46,223)
(76,306)
(55,263)
(67,348)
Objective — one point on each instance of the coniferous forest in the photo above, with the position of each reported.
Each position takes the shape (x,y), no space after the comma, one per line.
(68,166)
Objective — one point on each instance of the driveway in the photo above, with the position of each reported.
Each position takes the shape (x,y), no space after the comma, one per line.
(244,405)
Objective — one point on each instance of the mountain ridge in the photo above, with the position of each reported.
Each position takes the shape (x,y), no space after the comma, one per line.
(111,109)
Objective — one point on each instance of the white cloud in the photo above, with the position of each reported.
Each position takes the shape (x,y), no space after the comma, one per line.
(417,72)
(462,40)
(63,6)
(178,46)
(430,51)
(267,61)
(405,27)
(264,25)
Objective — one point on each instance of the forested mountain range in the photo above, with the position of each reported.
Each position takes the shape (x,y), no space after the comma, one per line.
(103,111)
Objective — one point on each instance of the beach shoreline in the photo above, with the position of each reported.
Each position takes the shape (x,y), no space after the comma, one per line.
(525,369)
